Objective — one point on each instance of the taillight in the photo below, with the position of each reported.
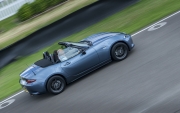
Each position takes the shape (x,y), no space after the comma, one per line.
(30,81)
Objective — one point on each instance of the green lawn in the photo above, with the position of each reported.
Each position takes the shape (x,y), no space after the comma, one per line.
(8,24)
(130,20)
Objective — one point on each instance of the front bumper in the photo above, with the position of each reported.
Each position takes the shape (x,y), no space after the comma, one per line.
(130,43)
(132,46)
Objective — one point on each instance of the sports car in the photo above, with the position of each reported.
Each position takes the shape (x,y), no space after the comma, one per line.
(73,60)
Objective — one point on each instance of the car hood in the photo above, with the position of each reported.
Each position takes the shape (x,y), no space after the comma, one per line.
(100,36)
(31,71)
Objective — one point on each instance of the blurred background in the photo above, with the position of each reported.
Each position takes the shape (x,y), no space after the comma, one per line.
(30,27)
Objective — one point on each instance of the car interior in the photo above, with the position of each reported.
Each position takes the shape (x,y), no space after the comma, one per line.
(51,57)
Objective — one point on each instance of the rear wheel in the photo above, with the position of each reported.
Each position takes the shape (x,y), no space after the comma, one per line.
(56,85)
(119,51)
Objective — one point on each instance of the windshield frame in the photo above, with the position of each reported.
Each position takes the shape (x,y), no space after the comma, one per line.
(79,45)
(68,53)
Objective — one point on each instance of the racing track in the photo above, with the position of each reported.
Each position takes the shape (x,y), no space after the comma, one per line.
(147,81)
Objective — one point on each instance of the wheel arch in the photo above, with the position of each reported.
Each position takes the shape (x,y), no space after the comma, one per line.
(118,42)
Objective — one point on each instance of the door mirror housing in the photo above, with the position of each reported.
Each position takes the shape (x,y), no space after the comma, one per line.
(83,51)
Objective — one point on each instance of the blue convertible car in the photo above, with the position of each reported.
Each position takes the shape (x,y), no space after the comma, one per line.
(73,60)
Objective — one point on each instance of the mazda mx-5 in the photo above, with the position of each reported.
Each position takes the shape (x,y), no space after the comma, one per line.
(73,60)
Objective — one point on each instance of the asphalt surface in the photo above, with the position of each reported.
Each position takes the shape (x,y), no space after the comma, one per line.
(147,81)
(64,27)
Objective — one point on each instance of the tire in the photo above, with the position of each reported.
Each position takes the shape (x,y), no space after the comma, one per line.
(119,51)
(56,85)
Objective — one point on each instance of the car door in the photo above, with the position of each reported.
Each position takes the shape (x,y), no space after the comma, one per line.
(103,51)
(81,63)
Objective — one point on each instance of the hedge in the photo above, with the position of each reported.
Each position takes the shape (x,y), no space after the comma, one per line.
(38,6)
(25,12)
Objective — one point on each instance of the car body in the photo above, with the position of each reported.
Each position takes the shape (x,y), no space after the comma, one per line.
(52,74)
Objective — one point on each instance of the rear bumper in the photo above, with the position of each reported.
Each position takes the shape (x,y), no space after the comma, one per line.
(34,88)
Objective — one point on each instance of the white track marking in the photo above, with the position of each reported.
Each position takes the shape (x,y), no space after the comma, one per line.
(155,23)
(11,97)
(157,26)
(131,35)
(6,103)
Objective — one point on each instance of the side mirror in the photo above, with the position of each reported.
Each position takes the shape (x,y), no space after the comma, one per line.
(83,52)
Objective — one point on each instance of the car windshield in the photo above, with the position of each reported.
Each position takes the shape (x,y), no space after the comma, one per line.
(67,53)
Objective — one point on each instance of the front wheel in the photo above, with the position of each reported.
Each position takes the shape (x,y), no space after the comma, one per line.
(119,51)
(56,85)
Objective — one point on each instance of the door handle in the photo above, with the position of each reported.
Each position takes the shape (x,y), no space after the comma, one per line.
(67,63)
(104,47)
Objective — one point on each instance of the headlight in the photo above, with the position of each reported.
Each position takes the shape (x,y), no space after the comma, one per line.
(127,36)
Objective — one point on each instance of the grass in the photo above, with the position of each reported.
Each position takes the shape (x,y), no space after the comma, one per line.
(8,24)
(131,19)
(14,31)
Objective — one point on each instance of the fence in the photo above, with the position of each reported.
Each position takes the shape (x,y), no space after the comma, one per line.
(10,7)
